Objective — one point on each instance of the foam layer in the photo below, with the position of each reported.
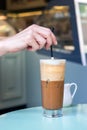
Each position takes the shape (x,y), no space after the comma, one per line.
(52,70)
(52,61)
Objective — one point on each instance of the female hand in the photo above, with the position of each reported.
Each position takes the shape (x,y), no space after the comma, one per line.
(33,38)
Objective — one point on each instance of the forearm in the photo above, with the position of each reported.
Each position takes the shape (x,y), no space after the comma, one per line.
(3,49)
(11,45)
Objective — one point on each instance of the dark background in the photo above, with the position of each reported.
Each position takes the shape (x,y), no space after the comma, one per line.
(2,4)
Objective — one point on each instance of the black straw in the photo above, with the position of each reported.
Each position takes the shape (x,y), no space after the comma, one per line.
(51,48)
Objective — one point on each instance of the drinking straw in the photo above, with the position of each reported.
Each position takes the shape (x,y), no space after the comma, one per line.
(51,48)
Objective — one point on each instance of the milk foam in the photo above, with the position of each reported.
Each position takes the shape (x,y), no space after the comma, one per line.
(52,70)
(52,61)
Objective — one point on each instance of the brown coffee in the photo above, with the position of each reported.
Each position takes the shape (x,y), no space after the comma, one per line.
(52,83)
(52,94)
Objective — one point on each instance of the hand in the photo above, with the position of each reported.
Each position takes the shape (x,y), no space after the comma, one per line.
(41,37)
(33,38)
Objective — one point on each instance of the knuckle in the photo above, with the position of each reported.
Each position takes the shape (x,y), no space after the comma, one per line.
(48,31)
(34,26)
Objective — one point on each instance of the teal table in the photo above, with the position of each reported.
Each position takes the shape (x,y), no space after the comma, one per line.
(74,118)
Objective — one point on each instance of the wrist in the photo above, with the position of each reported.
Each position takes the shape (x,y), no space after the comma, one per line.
(8,45)
(3,49)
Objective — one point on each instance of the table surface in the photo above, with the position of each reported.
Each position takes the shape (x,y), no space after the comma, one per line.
(74,118)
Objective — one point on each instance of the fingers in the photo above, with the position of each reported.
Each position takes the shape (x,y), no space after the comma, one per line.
(37,42)
(46,34)
(32,45)
(40,40)
(39,37)
(51,41)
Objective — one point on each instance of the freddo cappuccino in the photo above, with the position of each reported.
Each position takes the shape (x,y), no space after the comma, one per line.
(52,83)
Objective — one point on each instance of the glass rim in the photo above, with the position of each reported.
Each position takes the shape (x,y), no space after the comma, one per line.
(56,60)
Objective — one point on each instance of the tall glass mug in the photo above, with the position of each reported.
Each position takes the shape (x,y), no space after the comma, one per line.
(52,86)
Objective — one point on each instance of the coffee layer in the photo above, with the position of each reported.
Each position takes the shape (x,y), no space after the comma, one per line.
(52,94)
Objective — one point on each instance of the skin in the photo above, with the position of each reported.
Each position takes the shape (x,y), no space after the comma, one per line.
(33,38)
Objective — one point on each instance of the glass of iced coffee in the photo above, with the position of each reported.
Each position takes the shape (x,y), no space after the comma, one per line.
(52,86)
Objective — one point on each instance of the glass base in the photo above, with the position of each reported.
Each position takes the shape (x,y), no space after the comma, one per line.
(52,113)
